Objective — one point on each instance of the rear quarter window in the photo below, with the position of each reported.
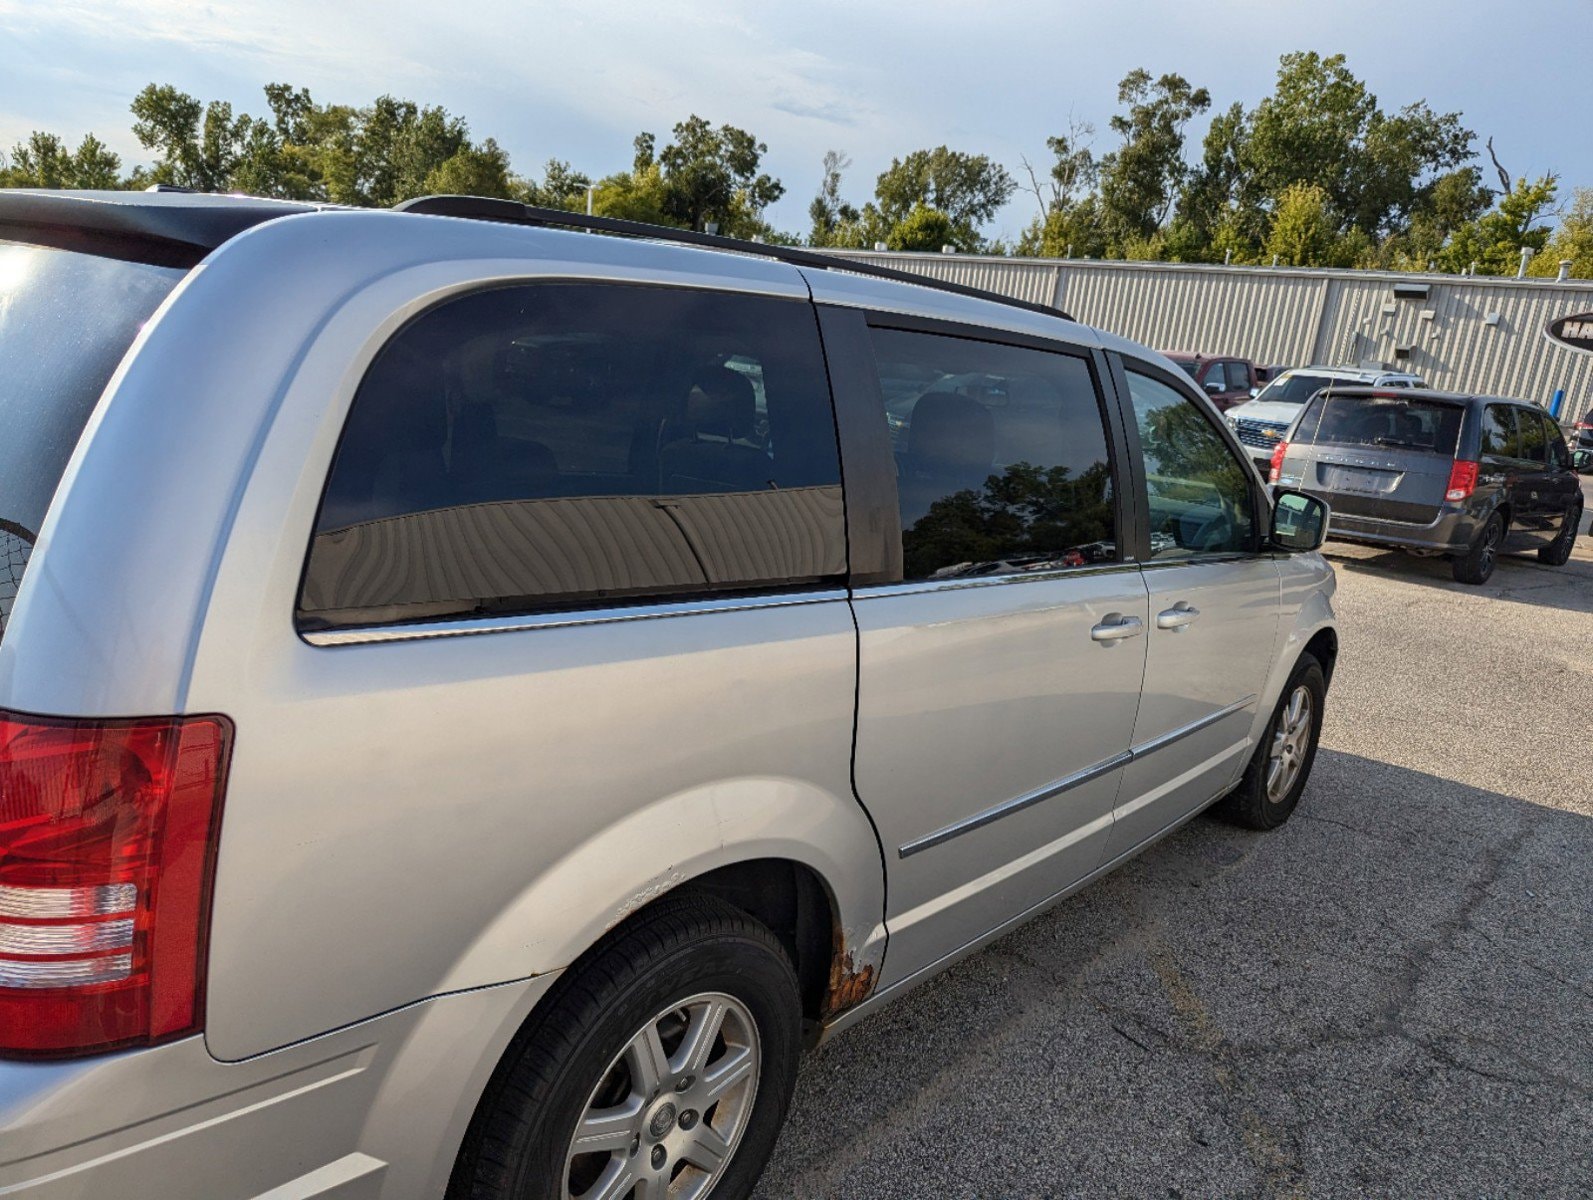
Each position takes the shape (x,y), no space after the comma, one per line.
(531,448)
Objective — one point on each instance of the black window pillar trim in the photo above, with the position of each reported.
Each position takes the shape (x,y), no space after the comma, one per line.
(868,467)
(1132,520)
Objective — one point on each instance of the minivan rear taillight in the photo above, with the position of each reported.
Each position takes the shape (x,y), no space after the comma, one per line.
(1278,451)
(107,856)
(1462,480)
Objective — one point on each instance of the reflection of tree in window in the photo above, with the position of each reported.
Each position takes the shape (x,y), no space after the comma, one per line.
(1199,491)
(1027,517)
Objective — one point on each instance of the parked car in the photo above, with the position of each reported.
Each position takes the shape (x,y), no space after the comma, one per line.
(459,734)
(1262,422)
(1579,433)
(1437,473)
(1226,381)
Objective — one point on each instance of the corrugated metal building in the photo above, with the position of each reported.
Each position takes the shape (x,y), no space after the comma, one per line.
(1464,333)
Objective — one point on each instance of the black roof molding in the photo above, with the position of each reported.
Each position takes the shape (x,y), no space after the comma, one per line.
(511,212)
(168,228)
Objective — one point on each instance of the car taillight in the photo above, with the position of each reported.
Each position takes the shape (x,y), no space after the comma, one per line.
(1278,452)
(1462,480)
(107,855)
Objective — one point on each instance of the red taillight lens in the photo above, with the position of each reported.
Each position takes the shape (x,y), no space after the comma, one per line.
(107,854)
(1278,452)
(1462,480)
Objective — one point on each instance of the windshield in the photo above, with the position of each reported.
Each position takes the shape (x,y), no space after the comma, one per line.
(1191,368)
(1391,422)
(66,320)
(1293,389)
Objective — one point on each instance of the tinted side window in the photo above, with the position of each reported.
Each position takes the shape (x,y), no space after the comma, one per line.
(1499,431)
(1238,377)
(559,444)
(1533,437)
(1001,453)
(1198,490)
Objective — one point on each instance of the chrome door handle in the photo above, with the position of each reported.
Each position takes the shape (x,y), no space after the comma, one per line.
(1114,627)
(1179,616)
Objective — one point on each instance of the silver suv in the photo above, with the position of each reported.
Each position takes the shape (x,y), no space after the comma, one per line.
(1261,422)
(477,698)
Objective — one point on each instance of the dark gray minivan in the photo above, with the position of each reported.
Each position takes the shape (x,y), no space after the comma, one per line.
(1436,473)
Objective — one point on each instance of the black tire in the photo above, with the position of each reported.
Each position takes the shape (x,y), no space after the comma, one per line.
(1249,804)
(1477,563)
(1558,552)
(683,946)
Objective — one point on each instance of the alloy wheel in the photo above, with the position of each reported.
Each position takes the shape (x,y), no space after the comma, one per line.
(1291,739)
(664,1120)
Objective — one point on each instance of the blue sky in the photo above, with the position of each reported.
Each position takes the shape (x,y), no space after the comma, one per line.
(577,80)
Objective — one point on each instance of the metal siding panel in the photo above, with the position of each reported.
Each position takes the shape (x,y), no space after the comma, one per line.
(1295,317)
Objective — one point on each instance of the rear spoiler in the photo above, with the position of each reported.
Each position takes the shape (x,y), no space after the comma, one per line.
(174,229)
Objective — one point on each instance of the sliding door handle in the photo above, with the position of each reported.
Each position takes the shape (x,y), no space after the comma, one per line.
(1179,616)
(1114,627)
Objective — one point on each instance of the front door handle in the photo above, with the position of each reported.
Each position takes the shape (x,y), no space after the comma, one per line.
(1114,627)
(1179,616)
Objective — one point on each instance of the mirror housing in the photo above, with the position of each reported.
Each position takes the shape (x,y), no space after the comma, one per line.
(1254,392)
(1299,521)
(1582,462)
(1214,387)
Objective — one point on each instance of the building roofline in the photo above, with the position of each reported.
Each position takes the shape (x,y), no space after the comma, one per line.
(1251,269)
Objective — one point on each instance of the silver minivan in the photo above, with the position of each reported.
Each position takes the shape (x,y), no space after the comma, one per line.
(477,698)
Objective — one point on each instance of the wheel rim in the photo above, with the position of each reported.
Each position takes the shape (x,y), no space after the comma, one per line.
(1490,544)
(667,1115)
(1291,738)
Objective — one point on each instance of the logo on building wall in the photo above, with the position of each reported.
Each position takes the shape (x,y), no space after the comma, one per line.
(1575,331)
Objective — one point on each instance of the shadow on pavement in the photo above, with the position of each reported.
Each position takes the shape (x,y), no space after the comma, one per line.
(1518,577)
(1392,995)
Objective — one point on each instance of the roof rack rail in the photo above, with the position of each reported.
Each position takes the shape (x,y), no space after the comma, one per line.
(512,212)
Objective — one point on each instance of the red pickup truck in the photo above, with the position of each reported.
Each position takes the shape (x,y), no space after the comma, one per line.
(1227,381)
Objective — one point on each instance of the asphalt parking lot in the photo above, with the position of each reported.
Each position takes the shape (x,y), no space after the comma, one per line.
(1391,996)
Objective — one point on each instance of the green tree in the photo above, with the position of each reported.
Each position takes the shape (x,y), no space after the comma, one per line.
(924,228)
(969,189)
(1495,240)
(1572,241)
(1140,181)
(561,186)
(1210,207)
(828,212)
(1305,232)
(197,144)
(43,161)
(1322,126)
(711,176)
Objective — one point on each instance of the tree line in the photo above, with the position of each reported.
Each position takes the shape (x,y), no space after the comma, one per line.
(1317,173)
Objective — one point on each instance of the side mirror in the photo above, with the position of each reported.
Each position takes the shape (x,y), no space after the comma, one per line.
(1299,521)
(1214,387)
(1254,392)
(1582,462)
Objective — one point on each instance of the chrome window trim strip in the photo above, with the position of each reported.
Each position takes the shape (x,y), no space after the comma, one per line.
(1200,560)
(429,630)
(1018,803)
(916,586)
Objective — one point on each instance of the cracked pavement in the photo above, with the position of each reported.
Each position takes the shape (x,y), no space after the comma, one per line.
(1392,995)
